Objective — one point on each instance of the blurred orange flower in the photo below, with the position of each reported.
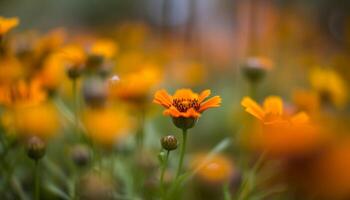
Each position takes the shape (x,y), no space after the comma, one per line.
(74,55)
(272,111)
(22,94)
(104,47)
(185,103)
(329,85)
(106,126)
(136,86)
(216,169)
(41,120)
(6,24)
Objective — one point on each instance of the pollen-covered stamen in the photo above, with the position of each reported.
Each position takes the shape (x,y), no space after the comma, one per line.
(182,104)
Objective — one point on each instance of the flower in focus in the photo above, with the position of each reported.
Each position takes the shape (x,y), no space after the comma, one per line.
(185,103)
(329,85)
(272,111)
(6,24)
(22,94)
(106,126)
(135,87)
(216,169)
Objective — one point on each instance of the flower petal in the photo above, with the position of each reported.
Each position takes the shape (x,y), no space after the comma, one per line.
(299,118)
(203,95)
(253,108)
(163,98)
(172,111)
(185,94)
(210,103)
(190,113)
(273,104)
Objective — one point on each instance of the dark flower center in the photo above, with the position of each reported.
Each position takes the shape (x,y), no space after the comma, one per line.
(182,104)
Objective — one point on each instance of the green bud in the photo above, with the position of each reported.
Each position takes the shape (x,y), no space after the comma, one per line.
(36,148)
(184,122)
(169,142)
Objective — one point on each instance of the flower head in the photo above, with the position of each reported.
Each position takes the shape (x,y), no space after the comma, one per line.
(6,24)
(185,103)
(272,111)
(329,85)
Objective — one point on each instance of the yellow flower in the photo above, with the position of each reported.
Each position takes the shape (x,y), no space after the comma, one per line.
(22,94)
(74,55)
(53,72)
(272,111)
(40,120)
(135,87)
(106,126)
(217,169)
(105,48)
(6,24)
(185,103)
(329,85)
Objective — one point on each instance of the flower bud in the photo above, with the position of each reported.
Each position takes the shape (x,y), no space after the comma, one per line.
(184,123)
(169,142)
(74,72)
(94,92)
(36,148)
(254,69)
(80,155)
(94,62)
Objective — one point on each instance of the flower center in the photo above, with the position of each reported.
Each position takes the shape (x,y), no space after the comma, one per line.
(182,104)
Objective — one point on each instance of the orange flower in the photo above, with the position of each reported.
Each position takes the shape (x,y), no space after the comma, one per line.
(272,111)
(185,103)
(104,47)
(22,94)
(216,169)
(6,24)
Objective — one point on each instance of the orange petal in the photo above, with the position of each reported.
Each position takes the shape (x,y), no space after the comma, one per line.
(273,104)
(185,94)
(210,103)
(172,111)
(253,108)
(300,117)
(190,113)
(203,95)
(163,98)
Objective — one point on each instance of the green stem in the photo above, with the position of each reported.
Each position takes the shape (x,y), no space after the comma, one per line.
(183,149)
(37,181)
(76,105)
(165,164)
(246,185)
(140,133)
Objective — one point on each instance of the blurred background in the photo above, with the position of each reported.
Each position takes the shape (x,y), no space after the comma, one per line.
(298,50)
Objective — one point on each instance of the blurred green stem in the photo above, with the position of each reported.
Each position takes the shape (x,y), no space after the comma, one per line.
(76,105)
(248,183)
(253,89)
(165,164)
(140,133)
(37,180)
(182,154)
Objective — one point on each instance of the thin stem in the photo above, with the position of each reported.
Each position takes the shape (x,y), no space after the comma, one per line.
(37,181)
(246,185)
(76,105)
(165,164)
(140,133)
(183,149)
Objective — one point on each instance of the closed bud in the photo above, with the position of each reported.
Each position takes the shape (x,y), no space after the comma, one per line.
(255,68)
(36,148)
(74,72)
(94,92)
(80,155)
(94,62)
(169,142)
(184,123)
